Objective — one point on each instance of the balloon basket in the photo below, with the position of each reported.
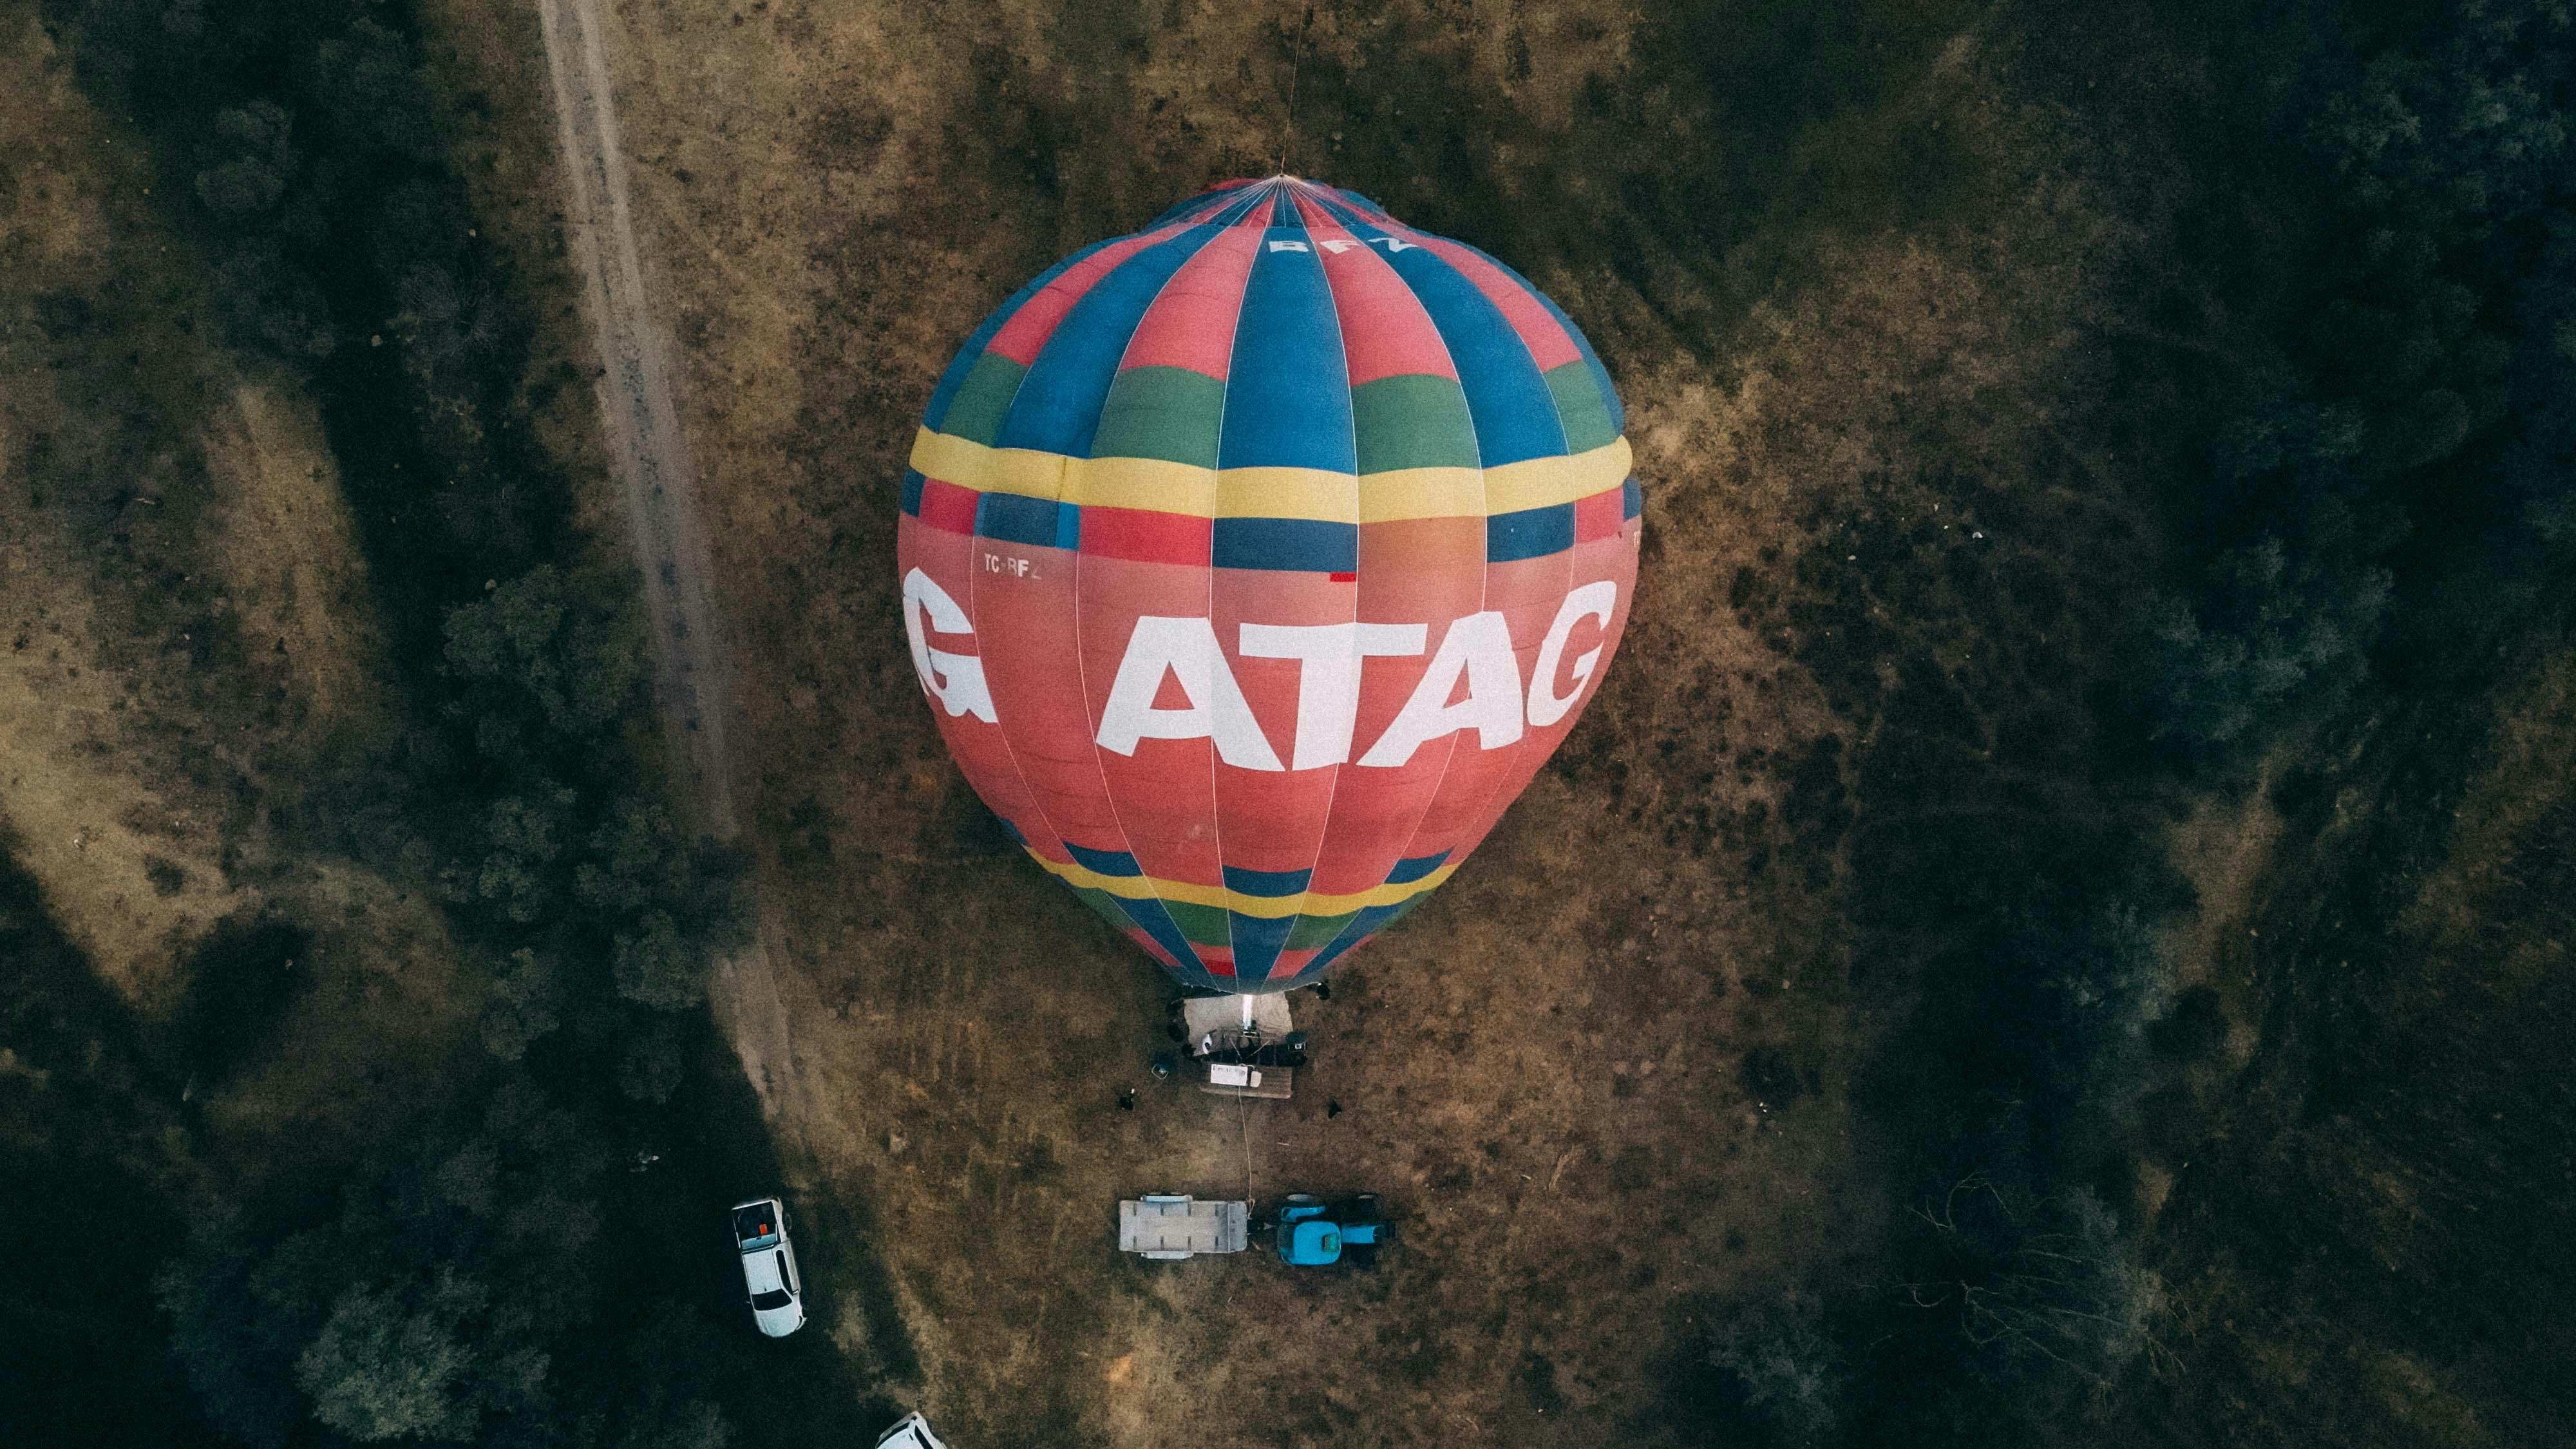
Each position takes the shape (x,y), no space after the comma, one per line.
(1242,1046)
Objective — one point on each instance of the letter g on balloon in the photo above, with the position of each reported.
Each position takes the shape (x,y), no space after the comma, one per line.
(1594,600)
(955,680)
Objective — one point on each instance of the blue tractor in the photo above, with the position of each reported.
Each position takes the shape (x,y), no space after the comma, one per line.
(1315,1233)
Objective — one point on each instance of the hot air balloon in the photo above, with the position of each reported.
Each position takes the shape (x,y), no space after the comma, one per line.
(1253,563)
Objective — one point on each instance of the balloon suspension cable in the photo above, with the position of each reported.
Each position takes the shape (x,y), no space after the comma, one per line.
(1296,65)
(1244,1115)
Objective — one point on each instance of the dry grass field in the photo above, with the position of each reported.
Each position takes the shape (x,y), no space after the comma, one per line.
(1925,354)
(1607,1076)
(2365,1118)
(189,634)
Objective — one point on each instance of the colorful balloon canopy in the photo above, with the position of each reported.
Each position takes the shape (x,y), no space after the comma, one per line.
(1255,562)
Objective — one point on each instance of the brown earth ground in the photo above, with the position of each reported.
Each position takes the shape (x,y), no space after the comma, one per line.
(1606,1077)
(1853,281)
(186,635)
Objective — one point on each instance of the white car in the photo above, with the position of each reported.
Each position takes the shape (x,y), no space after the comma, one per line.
(769,1266)
(912,1433)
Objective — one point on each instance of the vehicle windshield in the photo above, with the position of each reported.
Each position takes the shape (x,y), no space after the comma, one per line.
(775,1298)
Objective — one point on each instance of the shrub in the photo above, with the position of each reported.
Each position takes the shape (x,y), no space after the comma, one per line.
(2048,1296)
(2090,989)
(1791,1373)
(660,966)
(2263,632)
(692,1424)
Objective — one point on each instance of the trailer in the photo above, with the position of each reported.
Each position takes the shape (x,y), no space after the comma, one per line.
(1169,1227)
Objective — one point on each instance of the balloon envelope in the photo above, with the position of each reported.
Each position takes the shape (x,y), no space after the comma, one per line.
(1253,563)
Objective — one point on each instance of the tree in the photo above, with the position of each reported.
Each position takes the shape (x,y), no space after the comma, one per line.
(637,857)
(660,966)
(374,88)
(2081,995)
(249,160)
(391,1364)
(523,835)
(469,1178)
(228,1337)
(521,1004)
(268,304)
(683,1361)
(539,641)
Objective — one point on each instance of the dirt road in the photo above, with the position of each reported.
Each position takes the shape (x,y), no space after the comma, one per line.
(641,427)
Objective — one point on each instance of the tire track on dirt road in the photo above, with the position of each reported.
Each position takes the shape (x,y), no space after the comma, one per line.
(640,425)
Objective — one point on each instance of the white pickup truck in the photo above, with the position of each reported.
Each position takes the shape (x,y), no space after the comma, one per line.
(1169,1227)
(769,1275)
(912,1432)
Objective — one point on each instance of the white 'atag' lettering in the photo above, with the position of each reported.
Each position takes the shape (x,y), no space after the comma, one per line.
(1474,652)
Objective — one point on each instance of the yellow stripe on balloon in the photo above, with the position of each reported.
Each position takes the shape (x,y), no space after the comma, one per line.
(1283,493)
(1157,486)
(1404,493)
(1310,903)
(1546,482)
(1148,483)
